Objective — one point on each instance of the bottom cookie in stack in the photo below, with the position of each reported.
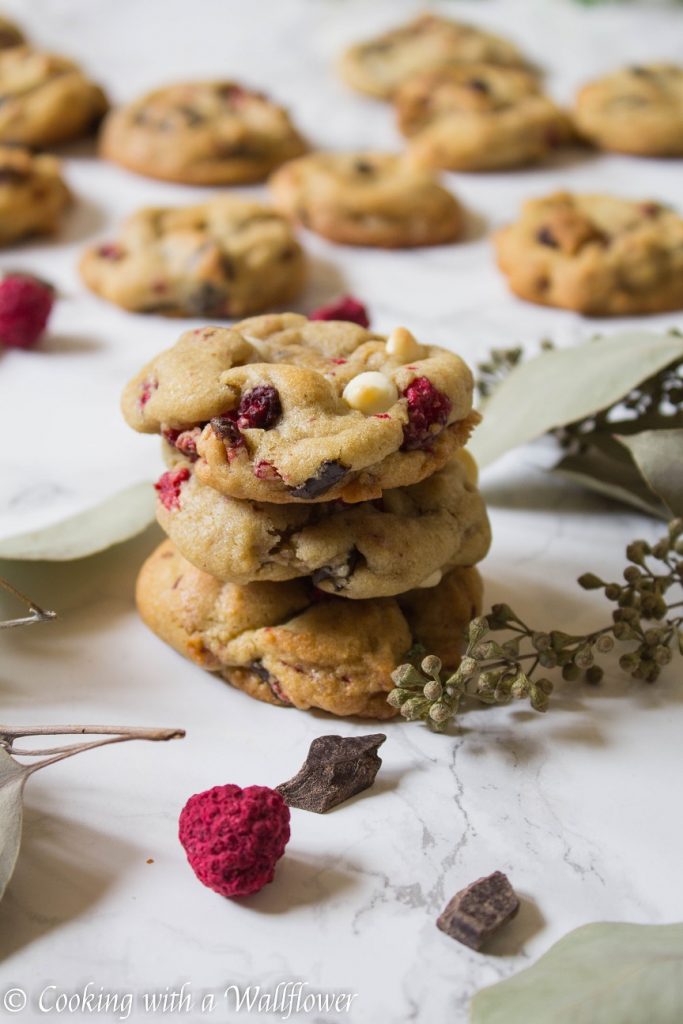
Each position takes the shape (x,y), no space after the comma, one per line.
(289,644)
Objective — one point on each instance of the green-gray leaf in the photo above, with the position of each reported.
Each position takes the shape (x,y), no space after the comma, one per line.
(658,454)
(614,478)
(564,385)
(12,779)
(598,974)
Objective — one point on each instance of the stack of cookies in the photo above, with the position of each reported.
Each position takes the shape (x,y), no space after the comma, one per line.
(322,512)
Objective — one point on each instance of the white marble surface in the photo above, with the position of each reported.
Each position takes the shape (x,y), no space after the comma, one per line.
(575,806)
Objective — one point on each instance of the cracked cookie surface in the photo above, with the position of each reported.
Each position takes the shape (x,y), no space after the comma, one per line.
(45,99)
(201,133)
(635,110)
(286,644)
(380,65)
(225,258)
(370,549)
(32,194)
(477,117)
(598,255)
(261,408)
(367,198)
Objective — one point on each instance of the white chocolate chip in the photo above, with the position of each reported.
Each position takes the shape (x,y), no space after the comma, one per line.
(259,345)
(432,580)
(402,344)
(370,393)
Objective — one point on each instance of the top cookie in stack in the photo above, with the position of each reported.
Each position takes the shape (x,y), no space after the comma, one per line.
(317,483)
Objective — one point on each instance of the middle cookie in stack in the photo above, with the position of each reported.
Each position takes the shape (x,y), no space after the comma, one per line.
(317,483)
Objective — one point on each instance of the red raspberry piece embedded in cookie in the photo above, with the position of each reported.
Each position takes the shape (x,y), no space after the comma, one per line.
(184,441)
(111,251)
(169,485)
(427,408)
(234,837)
(260,407)
(264,470)
(148,386)
(345,308)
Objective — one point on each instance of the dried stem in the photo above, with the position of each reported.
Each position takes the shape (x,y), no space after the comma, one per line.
(116,734)
(38,614)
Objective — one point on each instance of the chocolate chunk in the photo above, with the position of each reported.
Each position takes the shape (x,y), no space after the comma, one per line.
(479,85)
(13,176)
(475,913)
(226,428)
(259,669)
(363,167)
(339,574)
(336,768)
(330,472)
(546,237)
(207,300)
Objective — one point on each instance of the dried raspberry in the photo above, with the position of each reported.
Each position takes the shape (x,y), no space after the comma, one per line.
(427,408)
(168,487)
(25,305)
(265,470)
(184,441)
(234,837)
(345,308)
(111,251)
(148,386)
(260,407)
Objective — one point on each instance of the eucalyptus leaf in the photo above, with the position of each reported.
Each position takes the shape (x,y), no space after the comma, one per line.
(598,974)
(612,479)
(562,386)
(658,454)
(12,779)
(119,517)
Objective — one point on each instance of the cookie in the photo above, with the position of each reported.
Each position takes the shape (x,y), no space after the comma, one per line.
(598,255)
(478,117)
(32,194)
(636,110)
(225,258)
(45,99)
(286,644)
(378,67)
(201,133)
(367,198)
(370,549)
(282,409)
(10,34)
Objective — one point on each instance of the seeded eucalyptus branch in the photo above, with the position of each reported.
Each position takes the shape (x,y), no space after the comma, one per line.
(494,672)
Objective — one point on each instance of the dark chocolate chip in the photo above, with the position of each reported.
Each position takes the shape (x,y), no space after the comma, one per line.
(475,913)
(207,300)
(546,237)
(226,428)
(13,176)
(329,473)
(479,85)
(339,574)
(335,769)
(363,167)
(192,116)
(259,669)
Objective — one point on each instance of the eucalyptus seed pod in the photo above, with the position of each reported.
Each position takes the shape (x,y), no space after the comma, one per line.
(433,690)
(431,665)
(439,713)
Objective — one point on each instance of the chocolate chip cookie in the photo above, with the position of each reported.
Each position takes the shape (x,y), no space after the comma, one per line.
(636,110)
(378,67)
(45,99)
(370,549)
(225,258)
(32,194)
(201,133)
(281,408)
(290,645)
(478,117)
(10,34)
(599,255)
(367,198)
